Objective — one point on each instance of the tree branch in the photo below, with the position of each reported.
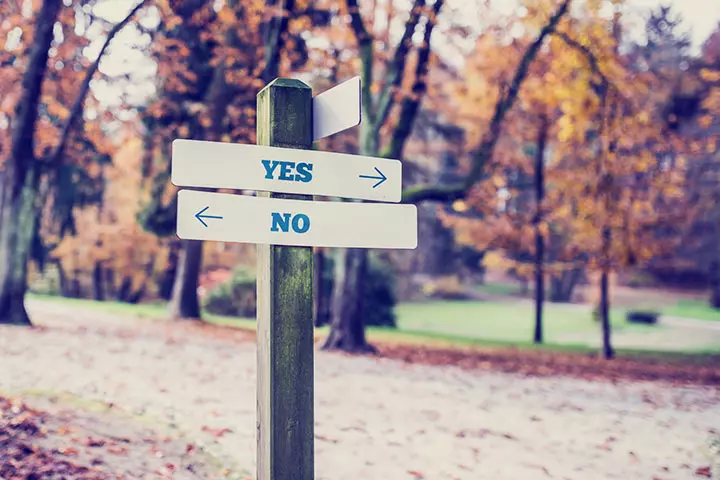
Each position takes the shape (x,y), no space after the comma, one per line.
(397,67)
(503,105)
(77,107)
(274,42)
(26,111)
(411,104)
(591,58)
(367,57)
(434,193)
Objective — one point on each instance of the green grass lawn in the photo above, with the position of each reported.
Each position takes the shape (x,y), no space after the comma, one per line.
(500,321)
(450,323)
(700,310)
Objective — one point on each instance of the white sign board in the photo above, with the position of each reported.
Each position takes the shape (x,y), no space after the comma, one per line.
(206,164)
(245,219)
(337,109)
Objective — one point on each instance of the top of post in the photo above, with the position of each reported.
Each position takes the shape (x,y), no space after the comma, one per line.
(284,114)
(285,83)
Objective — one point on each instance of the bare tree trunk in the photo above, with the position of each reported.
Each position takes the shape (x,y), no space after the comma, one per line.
(605,296)
(98,282)
(17,218)
(563,284)
(321,299)
(110,283)
(715,296)
(715,284)
(137,296)
(21,177)
(185,302)
(167,279)
(123,293)
(62,279)
(347,329)
(76,286)
(539,239)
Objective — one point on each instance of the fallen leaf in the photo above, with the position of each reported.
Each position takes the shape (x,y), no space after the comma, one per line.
(217,432)
(69,451)
(703,472)
(326,439)
(118,450)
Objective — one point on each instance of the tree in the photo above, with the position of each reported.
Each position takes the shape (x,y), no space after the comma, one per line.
(510,200)
(104,251)
(691,112)
(619,192)
(211,66)
(347,325)
(37,149)
(347,332)
(606,192)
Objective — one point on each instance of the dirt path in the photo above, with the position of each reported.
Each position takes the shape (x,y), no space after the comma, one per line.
(375,418)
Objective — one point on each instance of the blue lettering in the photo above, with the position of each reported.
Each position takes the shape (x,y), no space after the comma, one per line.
(283,222)
(304,172)
(270,167)
(305,223)
(286,169)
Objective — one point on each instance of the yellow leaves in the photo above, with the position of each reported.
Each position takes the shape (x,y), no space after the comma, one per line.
(205,121)
(642,162)
(226,16)
(173,21)
(642,208)
(673,191)
(705,121)
(710,75)
(57,109)
(460,206)
(566,128)
(498,181)
(712,146)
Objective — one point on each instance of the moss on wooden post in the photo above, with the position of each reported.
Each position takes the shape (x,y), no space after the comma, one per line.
(285,309)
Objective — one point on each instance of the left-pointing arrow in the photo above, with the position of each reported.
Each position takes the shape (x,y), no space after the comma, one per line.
(200,216)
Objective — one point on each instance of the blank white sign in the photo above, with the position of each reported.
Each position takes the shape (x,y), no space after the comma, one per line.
(337,109)
(245,219)
(197,163)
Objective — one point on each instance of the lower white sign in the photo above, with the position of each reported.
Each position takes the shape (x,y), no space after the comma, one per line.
(245,219)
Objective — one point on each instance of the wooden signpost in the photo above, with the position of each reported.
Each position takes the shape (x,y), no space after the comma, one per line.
(285,223)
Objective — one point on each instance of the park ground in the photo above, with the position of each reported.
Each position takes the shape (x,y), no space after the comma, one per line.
(111,389)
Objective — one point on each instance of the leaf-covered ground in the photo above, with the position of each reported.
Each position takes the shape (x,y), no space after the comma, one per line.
(445,415)
(53,442)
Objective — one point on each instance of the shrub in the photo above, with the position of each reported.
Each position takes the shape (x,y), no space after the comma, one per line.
(645,317)
(379,296)
(234,297)
(379,299)
(448,287)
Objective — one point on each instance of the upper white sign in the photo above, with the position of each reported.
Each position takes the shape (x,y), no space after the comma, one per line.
(337,109)
(197,163)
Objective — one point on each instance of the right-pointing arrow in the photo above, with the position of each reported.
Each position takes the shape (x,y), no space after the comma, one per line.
(381,178)
(199,215)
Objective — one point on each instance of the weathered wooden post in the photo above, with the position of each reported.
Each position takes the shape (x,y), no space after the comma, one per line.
(285,309)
